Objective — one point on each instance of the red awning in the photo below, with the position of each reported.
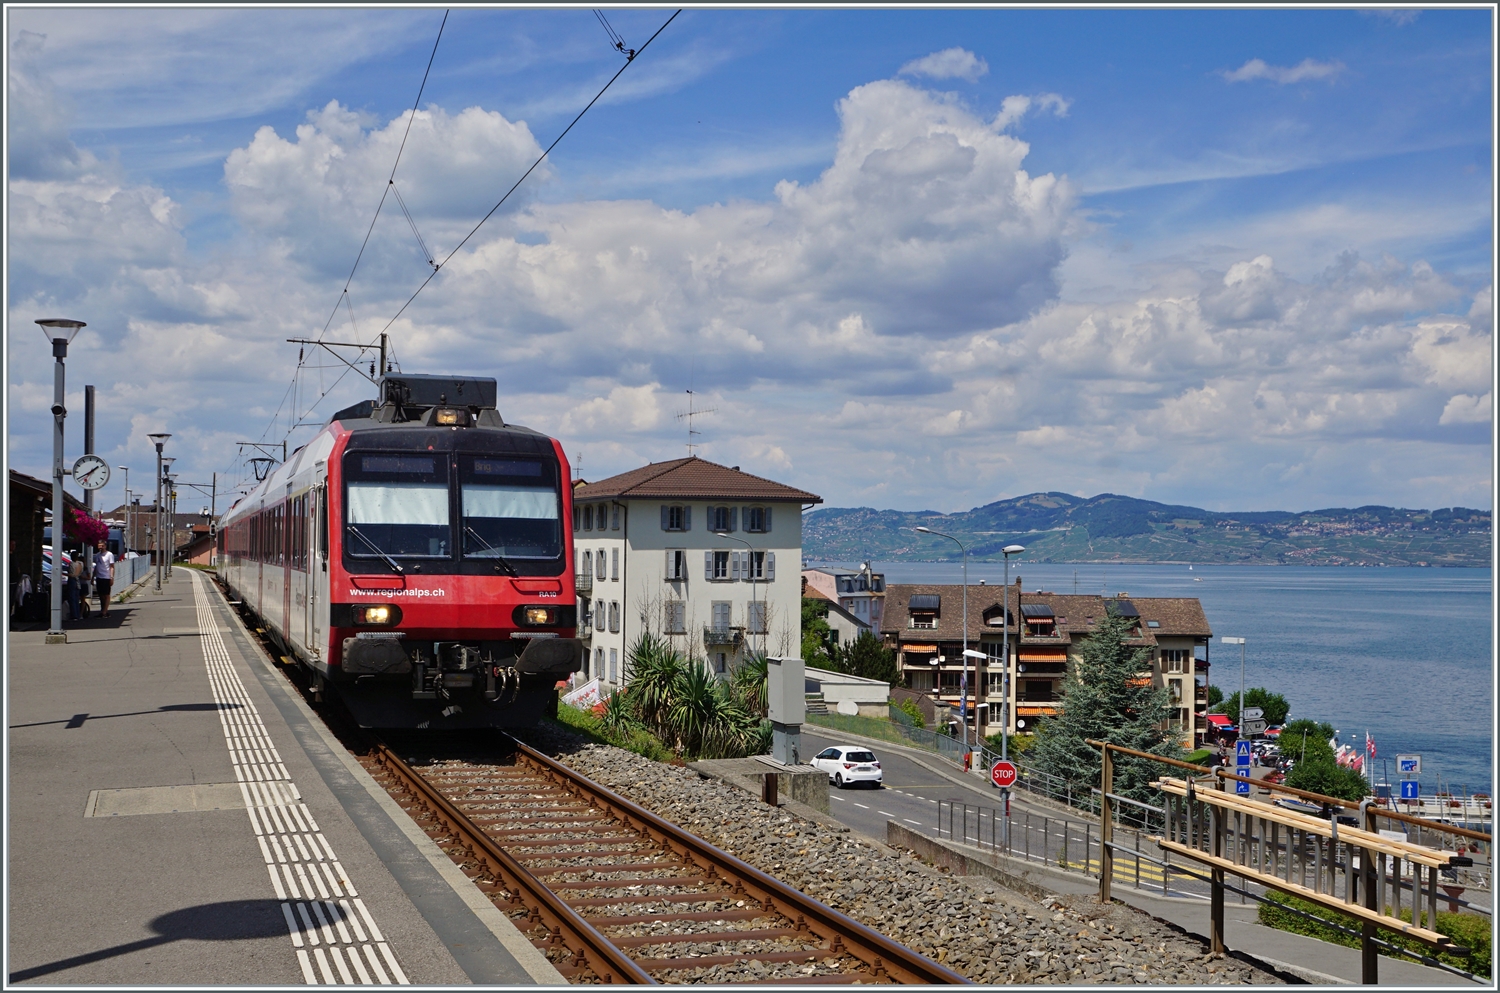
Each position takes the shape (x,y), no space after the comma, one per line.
(1220,720)
(919,648)
(1030,654)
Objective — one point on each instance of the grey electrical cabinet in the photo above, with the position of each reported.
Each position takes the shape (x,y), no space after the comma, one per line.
(786,692)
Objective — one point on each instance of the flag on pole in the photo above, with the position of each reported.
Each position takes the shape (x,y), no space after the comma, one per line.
(1369,745)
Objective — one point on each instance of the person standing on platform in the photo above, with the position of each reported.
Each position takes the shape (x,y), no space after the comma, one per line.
(71,587)
(104,575)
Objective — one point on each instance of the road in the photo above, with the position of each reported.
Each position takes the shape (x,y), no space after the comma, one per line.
(910,795)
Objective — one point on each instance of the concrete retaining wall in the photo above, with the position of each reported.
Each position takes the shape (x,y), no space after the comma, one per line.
(1007,872)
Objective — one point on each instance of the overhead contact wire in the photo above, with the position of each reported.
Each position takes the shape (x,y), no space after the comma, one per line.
(438,267)
(392,178)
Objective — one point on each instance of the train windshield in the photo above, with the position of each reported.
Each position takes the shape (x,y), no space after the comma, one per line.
(398,505)
(511,508)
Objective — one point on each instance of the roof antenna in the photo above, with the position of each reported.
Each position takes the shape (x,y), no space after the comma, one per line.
(688,416)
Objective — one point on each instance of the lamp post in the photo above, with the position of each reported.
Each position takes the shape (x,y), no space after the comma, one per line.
(1008,551)
(170,492)
(59,331)
(742,541)
(1240,710)
(963,688)
(160,439)
(126,544)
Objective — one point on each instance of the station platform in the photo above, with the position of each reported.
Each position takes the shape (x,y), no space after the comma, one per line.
(179,816)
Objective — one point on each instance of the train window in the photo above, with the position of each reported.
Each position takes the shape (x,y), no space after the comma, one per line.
(323,525)
(511,509)
(398,505)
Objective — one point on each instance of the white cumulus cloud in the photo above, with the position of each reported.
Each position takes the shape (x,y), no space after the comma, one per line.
(1465,409)
(950,63)
(1307,69)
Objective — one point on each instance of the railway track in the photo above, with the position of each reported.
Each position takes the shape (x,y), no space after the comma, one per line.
(612,893)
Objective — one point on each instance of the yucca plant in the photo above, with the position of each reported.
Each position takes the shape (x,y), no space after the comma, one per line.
(750,680)
(656,670)
(617,715)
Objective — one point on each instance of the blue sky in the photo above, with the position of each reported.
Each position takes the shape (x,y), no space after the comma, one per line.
(1236,258)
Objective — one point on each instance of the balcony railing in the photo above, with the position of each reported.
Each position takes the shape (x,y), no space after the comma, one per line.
(723,636)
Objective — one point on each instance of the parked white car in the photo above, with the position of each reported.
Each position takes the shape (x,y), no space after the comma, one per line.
(847,765)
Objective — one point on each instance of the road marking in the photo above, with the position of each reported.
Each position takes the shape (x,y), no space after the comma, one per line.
(910,821)
(861,806)
(885,812)
(838,798)
(279,816)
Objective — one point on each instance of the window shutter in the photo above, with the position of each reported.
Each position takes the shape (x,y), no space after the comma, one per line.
(734,513)
(663,517)
(687,518)
(770,566)
(708,565)
(669,573)
(734,566)
(768,520)
(614,563)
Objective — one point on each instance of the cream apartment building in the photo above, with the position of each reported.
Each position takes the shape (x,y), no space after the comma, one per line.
(702,554)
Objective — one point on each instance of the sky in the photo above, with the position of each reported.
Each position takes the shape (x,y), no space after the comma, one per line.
(909,259)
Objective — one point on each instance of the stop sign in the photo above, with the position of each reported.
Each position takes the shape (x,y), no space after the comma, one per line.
(1003,774)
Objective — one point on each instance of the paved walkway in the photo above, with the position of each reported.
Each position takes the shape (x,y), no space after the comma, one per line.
(178,816)
(1317,961)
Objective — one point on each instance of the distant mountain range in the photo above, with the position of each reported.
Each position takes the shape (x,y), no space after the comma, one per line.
(1060,527)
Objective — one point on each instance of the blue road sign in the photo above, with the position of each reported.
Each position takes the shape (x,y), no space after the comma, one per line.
(1242,753)
(1410,789)
(1241,788)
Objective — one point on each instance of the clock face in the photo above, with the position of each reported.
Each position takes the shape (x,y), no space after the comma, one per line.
(91,472)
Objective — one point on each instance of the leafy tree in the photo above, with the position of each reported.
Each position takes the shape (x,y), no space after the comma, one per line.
(751,684)
(1273,705)
(1104,699)
(1215,697)
(816,634)
(866,656)
(1315,767)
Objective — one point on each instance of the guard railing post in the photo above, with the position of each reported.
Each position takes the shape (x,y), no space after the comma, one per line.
(1216,881)
(1106,831)
(1368,952)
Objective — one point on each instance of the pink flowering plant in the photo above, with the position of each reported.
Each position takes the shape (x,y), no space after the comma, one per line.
(86,529)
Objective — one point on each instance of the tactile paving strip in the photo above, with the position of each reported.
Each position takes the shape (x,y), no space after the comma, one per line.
(333,933)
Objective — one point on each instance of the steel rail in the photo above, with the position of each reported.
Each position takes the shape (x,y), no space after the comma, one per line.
(599,954)
(885,958)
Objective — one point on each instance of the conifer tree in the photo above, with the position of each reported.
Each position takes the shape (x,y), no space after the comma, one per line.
(1105,698)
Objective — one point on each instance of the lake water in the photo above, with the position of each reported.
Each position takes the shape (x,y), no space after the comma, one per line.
(1405,654)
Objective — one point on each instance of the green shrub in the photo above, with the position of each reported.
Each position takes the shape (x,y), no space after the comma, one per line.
(1470,930)
(910,709)
(1019,745)
(629,736)
(1200,757)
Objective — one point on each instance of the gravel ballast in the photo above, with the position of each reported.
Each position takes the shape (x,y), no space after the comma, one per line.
(973,926)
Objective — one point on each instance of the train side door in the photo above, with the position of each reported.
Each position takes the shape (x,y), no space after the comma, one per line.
(317,579)
(284,553)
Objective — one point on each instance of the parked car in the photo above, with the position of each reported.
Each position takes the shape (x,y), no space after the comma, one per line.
(848,765)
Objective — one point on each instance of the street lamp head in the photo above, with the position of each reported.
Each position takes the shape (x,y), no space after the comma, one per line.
(922,529)
(1010,550)
(60,328)
(971,653)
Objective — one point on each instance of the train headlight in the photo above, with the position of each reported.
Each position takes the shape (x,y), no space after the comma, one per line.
(380,614)
(537,616)
(452,417)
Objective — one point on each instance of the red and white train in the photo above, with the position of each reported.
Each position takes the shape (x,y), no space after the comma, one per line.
(414,556)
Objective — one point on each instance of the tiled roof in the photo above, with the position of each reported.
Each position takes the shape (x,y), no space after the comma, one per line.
(1176,616)
(897,615)
(691,479)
